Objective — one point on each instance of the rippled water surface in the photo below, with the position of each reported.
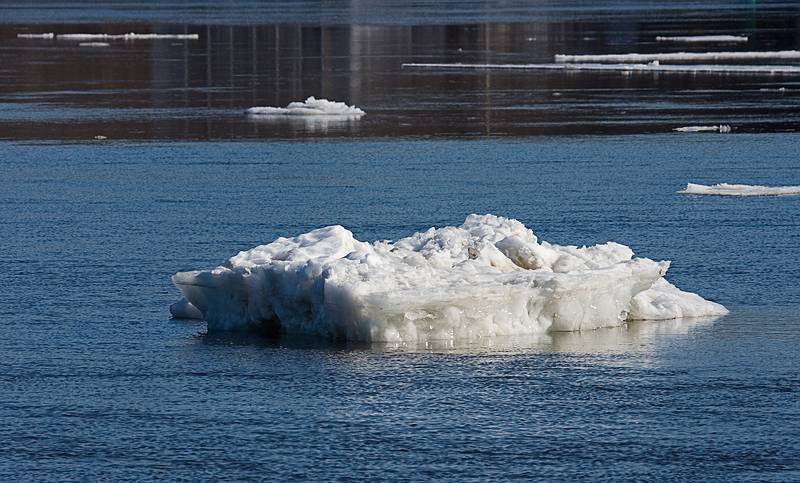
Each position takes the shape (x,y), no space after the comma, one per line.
(97,383)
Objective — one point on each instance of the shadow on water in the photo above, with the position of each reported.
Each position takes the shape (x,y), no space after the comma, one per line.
(634,337)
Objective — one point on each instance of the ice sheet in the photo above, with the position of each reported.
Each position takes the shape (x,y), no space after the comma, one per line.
(625,68)
(678,56)
(310,107)
(723,128)
(490,276)
(703,38)
(725,189)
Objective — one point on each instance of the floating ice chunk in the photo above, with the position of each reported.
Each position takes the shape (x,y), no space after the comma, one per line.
(48,35)
(183,309)
(128,36)
(310,107)
(677,56)
(703,38)
(725,189)
(652,66)
(723,128)
(490,276)
(93,44)
(666,301)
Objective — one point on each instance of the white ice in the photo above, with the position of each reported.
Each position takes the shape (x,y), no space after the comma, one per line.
(723,128)
(654,66)
(487,277)
(310,107)
(678,56)
(127,36)
(725,189)
(703,38)
(49,35)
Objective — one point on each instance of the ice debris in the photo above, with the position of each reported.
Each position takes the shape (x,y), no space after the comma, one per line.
(703,38)
(725,189)
(127,36)
(94,44)
(723,128)
(678,56)
(487,277)
(310,107)
(48,35)
(651,66)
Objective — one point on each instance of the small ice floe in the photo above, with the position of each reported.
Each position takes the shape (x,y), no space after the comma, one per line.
(725,189)
(723,128)
(127,36)
(652,66)
(678,56)
(100,137)
(48,35)
(489,277)
(703,38)
(310,107)
(93,44)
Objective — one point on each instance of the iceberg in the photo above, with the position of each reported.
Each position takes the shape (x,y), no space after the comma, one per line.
(723,128)
(489,277)
(678,56)
(703,38)
(653,66)
(725,189)
(310,107)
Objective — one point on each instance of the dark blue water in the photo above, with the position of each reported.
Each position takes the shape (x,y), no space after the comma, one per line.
(96,382)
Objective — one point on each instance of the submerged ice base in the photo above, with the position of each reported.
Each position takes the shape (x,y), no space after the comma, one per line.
(488,277)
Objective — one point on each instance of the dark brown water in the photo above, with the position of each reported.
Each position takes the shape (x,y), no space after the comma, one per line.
(252,54)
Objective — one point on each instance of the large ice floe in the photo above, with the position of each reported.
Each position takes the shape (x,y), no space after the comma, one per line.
(310,107)
(725,189)
(487,277)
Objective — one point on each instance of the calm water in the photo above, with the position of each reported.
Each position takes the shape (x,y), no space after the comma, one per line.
(254,54)
(97,383)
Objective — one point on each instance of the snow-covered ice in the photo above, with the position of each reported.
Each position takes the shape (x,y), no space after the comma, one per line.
(702,38)
(490,276)
(654,66)
(725,189)
(723,128)
(678,56)
(310,107)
